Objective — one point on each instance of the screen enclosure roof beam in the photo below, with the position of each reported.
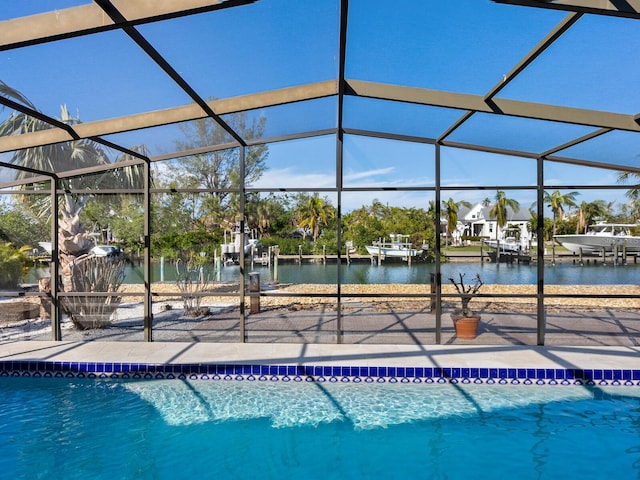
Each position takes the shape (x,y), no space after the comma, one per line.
(171,115)
(477,103)
(616,8)
(90,18)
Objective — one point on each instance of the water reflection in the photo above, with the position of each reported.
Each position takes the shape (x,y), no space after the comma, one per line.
(365,273)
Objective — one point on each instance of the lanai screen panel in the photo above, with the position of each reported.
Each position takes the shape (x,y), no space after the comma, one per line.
(285,120)
(458,45)
(252,48)
(616,148)
(593,66)
(518,134)
(398,118)
(97,76)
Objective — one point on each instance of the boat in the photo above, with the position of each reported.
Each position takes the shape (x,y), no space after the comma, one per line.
(98,250)
(231,250)
(506,245)
(601,237)
(398,246)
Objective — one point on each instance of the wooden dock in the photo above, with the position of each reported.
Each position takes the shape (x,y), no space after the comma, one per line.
(509,257)
(322,259)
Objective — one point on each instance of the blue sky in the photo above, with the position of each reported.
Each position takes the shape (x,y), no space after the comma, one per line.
(372,162)
(456,45)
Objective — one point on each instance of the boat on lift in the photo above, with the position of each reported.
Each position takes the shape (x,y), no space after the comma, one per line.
(398,246)
(506,245)
(231,250)
(603,236)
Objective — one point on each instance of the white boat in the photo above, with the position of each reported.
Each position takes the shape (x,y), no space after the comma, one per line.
(398,246)
(231,250)
(46,246)
(506,245)
(607,236)
(98,250)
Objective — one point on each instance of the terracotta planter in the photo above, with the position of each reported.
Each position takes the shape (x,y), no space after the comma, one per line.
(466,327)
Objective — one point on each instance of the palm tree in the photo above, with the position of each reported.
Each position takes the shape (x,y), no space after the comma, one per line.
(500,210)
(588,211)
(73,239)
(265,213)
(557,201)
(634,192)
(377,209)
(451,208)
(315,213)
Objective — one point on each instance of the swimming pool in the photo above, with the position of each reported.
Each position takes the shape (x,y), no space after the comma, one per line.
(117,428)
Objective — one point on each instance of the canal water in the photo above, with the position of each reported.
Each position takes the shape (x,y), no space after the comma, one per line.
(365,273)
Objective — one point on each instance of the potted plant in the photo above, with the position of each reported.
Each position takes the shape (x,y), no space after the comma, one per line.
(464,319)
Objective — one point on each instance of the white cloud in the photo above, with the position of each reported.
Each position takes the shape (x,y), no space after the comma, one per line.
(288,178)
(352,176)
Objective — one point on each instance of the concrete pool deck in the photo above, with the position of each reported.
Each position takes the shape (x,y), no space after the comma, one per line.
(362,355)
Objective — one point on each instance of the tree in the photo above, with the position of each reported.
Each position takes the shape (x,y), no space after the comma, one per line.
(361,227)
(314,213)
(73,239)
(451,208)
(500,210)
(588,211)
(624,177)
(557,201)
(263,213)
(219,170)
(19,225)
(633,209)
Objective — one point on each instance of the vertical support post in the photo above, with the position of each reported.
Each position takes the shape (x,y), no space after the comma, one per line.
(254,292)
(344,10)
(432,300)
(437,252)
(217,265)
(243,336)
(148,311)
(339,152)
(56,331)
(541,327)
(276,254)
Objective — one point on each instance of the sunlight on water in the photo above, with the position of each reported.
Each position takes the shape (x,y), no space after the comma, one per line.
(363,405)
(169,429)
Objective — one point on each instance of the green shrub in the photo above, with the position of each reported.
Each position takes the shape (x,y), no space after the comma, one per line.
(288,246)
(12,265)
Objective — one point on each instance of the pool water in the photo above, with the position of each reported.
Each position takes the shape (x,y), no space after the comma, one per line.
(111,429)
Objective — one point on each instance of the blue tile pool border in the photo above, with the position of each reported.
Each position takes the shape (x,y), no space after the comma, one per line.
(322,373)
